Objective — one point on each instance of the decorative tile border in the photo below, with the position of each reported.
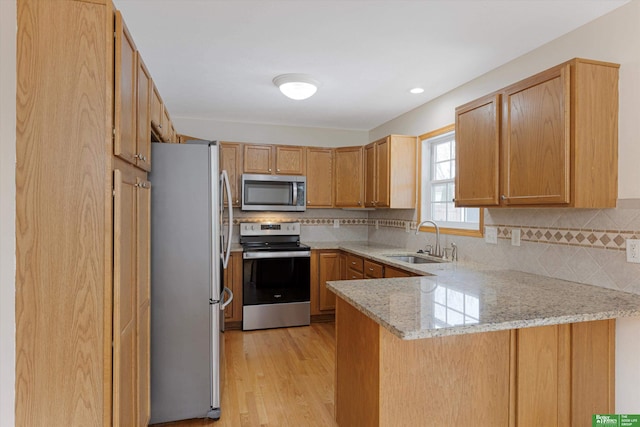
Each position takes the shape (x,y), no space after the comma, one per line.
(601,239)
(590,238)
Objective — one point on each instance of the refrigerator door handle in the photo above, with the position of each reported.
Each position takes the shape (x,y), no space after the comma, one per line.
(224,182)
(227,302)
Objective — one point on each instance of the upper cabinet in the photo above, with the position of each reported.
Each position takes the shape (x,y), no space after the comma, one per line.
(348,180)
(126,62)
(319,177)
(390,176)
(552,139)
(478,152)
(231,161)
(270,159)
(143,122)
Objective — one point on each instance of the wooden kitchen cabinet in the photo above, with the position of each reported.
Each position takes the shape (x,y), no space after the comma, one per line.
(558,141)
(231,161)
(478,152)
(143,116)
(157,113)
(125,136)
(258,159)
(83,296)
(390,272)
(233,281)
(349,177)
(274,159)
(329,269)
(373,270)
(319,177)
(390,172)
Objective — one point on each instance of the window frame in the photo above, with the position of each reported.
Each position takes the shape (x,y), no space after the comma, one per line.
(443,230)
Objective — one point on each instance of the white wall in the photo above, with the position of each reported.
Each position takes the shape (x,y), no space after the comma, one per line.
(7,209)
(268,134)
(614,37)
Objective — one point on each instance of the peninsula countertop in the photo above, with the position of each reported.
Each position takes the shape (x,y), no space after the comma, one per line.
(454,298)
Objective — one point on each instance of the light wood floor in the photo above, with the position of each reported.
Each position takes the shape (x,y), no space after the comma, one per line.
(277,377)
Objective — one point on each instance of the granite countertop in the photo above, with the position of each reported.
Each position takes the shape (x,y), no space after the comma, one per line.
(459,297)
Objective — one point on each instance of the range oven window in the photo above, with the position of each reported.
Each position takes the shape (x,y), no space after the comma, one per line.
(276,280)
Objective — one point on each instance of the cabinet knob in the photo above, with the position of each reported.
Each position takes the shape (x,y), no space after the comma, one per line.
(308,202)
(276,170)
(237,201)
(353,262)
(453,200)
(269,169)
(359,202)
(503,197)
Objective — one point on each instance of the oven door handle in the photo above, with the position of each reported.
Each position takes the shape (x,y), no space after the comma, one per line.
(276,254)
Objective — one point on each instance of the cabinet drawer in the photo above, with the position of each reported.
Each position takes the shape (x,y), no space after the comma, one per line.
(353,274)
(355,263)
(372,269)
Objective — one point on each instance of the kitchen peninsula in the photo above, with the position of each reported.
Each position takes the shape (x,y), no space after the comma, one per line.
(467,344)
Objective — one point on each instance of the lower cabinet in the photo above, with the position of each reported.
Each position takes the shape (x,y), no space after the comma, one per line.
(325,266)
(552,376)
(233,281)
(131,298)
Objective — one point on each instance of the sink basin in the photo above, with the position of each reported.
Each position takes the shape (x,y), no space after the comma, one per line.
(412,259)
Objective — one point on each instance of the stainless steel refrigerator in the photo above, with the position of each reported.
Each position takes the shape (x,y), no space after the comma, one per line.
(189,252)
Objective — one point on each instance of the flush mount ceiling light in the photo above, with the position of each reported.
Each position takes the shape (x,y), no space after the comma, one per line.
(417,90)
(296,86)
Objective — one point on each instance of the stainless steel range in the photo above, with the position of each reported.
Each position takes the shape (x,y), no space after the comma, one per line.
(276,276)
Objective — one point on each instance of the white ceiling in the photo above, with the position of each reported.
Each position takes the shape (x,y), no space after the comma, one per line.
(215,59)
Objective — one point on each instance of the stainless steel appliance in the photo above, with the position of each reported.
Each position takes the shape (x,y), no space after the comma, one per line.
(189,251)
(273,192)
(276,276)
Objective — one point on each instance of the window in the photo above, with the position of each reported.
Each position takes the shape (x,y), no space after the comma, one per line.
(437,185)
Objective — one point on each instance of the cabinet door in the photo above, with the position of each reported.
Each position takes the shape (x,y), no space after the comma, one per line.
(290,160)
(143,116)
(543,376)
(536,140)
(124,145)
(157,113)
(231,161)
(370,175)
(124,301)
(258,159)
(382,172)
(478,152)
(319,177)
(390,272)
(348,185)
(329,266)
(143,250)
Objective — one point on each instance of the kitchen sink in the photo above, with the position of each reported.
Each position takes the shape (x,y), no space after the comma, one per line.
(412,259)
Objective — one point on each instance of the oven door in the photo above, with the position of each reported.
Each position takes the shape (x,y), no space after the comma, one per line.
(276,277)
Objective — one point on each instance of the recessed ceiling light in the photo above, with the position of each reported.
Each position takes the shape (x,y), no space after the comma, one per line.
(417,90)
(296,86)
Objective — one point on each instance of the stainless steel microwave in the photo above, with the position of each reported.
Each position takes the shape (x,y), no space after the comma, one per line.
(273,192)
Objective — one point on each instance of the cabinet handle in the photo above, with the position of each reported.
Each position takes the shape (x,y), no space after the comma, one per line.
(353,262)
(370,269)
(453,200)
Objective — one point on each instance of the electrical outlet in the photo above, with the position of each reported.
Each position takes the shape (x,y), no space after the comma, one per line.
(377,225)
(515,237)
(336,223)
(491,235)
(407,226)
(633,251)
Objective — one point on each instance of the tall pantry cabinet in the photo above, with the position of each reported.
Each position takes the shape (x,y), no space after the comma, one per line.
(82,220)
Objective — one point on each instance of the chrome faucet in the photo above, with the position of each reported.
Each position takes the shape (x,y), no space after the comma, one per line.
(437,252)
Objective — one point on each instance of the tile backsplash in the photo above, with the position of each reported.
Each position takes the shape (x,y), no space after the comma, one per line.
(583,245)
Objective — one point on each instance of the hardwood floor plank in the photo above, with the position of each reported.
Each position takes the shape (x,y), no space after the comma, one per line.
(276,378)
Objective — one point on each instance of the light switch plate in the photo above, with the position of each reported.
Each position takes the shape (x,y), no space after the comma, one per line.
(515,237)
(491,235)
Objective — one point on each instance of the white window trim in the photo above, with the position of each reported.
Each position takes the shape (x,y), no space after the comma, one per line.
(424,212)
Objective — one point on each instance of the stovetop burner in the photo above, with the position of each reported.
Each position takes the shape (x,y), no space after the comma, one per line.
(272,236)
